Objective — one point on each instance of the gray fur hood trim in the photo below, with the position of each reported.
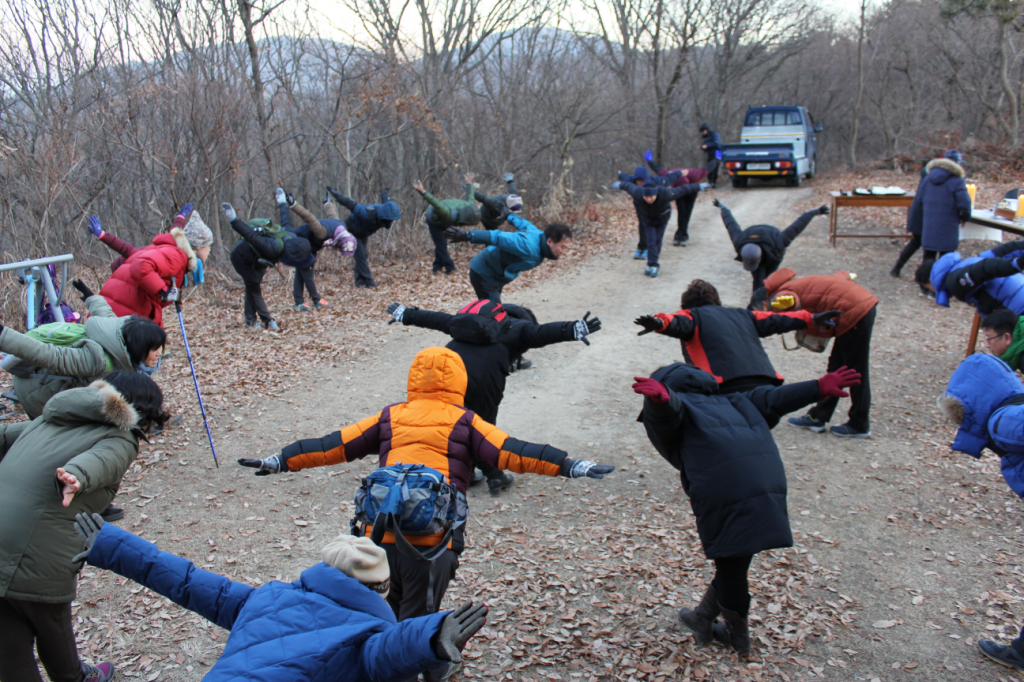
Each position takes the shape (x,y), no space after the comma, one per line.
(182,241)
(99,402)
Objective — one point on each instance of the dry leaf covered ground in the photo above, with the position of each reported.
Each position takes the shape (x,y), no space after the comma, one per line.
(906,554)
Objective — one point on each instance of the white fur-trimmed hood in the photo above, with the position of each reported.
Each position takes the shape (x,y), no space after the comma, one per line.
(182,241)
(947,165)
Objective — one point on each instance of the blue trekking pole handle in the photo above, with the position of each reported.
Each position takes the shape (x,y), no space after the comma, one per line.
(195,382)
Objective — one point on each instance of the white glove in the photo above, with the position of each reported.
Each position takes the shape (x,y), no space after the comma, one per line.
(281,197)
(705,186)
(229,211)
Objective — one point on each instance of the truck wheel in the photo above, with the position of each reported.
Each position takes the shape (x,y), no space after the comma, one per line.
(739,182)
(796,180)
(810,167)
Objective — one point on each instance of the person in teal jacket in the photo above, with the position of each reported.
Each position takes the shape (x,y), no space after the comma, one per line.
(445,213)
(509,253)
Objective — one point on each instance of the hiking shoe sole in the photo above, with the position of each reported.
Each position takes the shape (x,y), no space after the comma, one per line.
(848,433)
(816,428)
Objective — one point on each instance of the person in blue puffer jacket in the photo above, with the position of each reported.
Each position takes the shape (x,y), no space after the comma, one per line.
(989,281)
(986,399)
(365,220)
(945,204)
(510,253)
(329,625)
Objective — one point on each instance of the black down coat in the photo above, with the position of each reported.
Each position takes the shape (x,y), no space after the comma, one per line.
(727,459)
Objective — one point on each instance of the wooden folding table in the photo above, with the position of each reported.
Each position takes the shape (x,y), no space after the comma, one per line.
(840,199)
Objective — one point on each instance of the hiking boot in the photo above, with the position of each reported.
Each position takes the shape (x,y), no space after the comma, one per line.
(366,285)
(640,254)
(699,620)
(302,308)
(1004,655)
(322,303)
(655,269)
(895,272)
(273,326)
(523,363)
(647,271)
(847,431)
(925,293)
(496,485)
(253,324)
(478,477)
(734,631)
(104,672)
(681,242)
(807,422)
(112,513)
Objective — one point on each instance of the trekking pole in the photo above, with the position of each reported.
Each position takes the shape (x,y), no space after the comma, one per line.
(195,381)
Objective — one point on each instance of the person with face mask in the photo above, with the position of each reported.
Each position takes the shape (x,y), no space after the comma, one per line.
(363,221)
(445,213)
(67,461)
(653,203)
(333,623)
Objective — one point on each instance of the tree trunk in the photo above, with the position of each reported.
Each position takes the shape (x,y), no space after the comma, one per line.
(245,13)
(1004,83)
(851,160)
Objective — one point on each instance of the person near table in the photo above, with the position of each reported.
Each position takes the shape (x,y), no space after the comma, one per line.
(852,348)
(915,219)
(989,281)
(945,205)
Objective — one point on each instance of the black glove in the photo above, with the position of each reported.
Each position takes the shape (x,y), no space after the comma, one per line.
(270,465)
(385,195)
(455,235)
(396,310)
(824,210)
(456,629)
(572,468)
(88,526)
(291,200)
(84,290)
(717,204)
(585,326)
(826,319)
(650,324)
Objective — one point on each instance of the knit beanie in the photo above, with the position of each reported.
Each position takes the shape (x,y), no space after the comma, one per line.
(649,190)
(485,307)
(750,254)
(197,233)
(361,559)
(514,203)
(954,155)
(641,175)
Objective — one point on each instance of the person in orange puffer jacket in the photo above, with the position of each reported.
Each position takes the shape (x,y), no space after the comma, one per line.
(142,285)
(434,429)
(852,348)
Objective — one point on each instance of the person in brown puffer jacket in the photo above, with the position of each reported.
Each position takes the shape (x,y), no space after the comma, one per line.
(852,348)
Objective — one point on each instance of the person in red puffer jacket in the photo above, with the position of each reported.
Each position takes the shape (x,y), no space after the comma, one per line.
(142,285)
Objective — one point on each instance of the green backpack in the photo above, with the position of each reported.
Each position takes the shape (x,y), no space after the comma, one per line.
(63,334)
(269,228)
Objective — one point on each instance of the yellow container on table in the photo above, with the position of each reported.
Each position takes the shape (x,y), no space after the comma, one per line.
(972,189)
(1020,206)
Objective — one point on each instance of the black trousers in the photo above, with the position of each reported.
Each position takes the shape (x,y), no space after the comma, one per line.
(1018,644)
(962,282)
(46,626)
(655,236)
(254,303)
(731,583)
(361,266)
(442,259)
(852,349)
(684,209)
(908,251)
(712,167)
(483,288)
(304,279)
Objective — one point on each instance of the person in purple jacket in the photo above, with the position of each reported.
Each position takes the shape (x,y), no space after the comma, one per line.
(330,624)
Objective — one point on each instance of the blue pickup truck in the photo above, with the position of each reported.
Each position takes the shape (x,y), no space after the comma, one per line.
(776,142)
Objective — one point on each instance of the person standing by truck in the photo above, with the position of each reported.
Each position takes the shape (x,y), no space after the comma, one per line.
(711,143)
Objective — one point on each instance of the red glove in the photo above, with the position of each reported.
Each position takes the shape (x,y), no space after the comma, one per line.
(655,390)
(832,384)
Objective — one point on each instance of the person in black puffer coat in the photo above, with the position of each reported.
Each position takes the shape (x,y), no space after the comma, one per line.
(731,470)
(262,244)
(945,205)
(761,248)
(489,336)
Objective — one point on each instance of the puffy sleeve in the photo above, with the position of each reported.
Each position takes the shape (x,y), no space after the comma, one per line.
(494,446)
(103,465)
(349,444)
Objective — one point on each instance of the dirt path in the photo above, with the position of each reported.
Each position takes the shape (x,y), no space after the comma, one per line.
(585,577)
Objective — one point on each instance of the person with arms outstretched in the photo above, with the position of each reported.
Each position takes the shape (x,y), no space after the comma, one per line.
(685,203)
(494,208)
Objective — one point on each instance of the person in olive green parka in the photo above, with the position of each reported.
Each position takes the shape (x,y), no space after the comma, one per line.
(110,343)
(445,213)
(70,460)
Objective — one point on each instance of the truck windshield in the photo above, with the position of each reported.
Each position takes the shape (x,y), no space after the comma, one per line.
(773,118)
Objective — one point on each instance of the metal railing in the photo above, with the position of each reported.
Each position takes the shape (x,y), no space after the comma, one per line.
(34,273)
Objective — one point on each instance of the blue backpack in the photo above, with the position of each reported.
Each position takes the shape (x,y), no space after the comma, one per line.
(410,499)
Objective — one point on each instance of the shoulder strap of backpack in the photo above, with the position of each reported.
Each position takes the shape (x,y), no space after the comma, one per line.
(408,549)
